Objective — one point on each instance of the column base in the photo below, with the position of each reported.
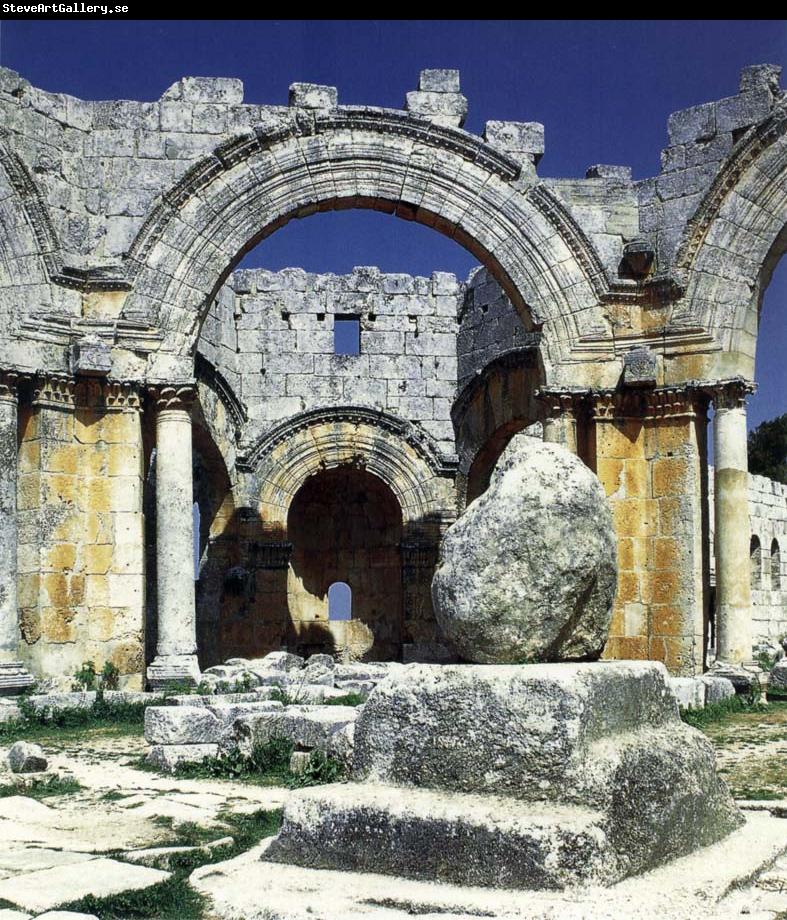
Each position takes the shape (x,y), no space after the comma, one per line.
(166,670)
(14,678)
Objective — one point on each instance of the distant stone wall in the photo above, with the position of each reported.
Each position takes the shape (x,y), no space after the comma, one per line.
(271,334)
(768,521)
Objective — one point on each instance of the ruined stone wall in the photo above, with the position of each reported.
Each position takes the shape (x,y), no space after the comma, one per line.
(768,563)
(277,345)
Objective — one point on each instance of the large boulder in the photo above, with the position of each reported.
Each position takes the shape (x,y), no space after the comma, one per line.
(528,572)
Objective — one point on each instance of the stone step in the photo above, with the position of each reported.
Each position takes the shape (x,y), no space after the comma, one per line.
(445,836)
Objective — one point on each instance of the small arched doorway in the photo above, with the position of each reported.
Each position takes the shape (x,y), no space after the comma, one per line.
(345,526)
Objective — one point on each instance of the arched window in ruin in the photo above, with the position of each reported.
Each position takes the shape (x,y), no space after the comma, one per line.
(755,560)
(776,570)
(340,601)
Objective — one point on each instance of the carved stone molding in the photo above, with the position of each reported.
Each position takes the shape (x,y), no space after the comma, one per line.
(688,400)
(54,391)
(57,391)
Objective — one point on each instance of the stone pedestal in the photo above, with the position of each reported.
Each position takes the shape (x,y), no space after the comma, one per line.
(731,511)
(534,776)
(176,649)
(14,677)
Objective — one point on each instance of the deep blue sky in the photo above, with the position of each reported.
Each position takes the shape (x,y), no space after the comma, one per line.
(603,89)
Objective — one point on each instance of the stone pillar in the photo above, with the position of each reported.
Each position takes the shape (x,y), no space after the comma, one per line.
(731,515)
(176,650)
(561,409)
(14,677)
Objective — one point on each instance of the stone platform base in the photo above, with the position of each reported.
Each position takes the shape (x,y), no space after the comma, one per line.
(701,885)
(451,837)
(14,678)
(526,776)
(166,670)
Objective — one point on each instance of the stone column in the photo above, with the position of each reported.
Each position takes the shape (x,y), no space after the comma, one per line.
(176,650)
(731,515)
(560,416)
(14,677)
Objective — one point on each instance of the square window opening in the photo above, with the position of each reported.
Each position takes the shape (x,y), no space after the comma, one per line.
(347,335)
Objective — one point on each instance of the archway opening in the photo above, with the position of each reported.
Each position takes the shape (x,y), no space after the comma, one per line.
(345,527)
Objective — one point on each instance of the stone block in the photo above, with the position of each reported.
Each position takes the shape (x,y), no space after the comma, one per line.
(313,96)
(517,138)
(308,727)
(605,171)
(167,757)
(689,692)
(538,776)
(91,357)
(24,757)
(446,109)
(640,367)
(439,81)
(692,124)
(182,725)
(717,689)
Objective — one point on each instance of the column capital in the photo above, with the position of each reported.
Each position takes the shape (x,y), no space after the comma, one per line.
(9,381)
(557,402)
(660,402)
(179,396)
(56,391)
(731,394)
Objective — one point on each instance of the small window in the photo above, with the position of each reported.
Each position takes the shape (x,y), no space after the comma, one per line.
(340,601)
(776,567)
(346,335)
(755,560)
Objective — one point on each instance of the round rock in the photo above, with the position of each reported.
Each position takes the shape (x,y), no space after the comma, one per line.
(528,572)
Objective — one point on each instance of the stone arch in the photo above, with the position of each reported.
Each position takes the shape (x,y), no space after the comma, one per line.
(387,161)
(391,449)
(734,240)
(492,408)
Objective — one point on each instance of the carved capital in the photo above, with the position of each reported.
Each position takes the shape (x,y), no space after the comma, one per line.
(8,386)
(54,391)
(561,403)
(179,397)
(662,402)
(731,394)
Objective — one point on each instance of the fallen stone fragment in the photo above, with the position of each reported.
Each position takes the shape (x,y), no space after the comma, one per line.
(40,891)
(26,758)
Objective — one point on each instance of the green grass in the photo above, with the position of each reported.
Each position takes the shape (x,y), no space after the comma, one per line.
(68,724)
(720,712)
(175,899)
(42,788)
(349,699)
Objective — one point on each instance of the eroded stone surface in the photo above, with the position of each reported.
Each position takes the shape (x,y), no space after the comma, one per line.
(26,758)
(528,572)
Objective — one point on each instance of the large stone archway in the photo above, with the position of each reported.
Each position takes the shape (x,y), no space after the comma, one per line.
(733,242)
(387,161)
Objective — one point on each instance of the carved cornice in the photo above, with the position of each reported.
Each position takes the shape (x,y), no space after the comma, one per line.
(254,454)
(58,391)
(686,400)
(173,398)
(54,391)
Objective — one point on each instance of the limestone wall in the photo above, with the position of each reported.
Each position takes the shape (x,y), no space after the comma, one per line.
(271,334)
(768,562)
